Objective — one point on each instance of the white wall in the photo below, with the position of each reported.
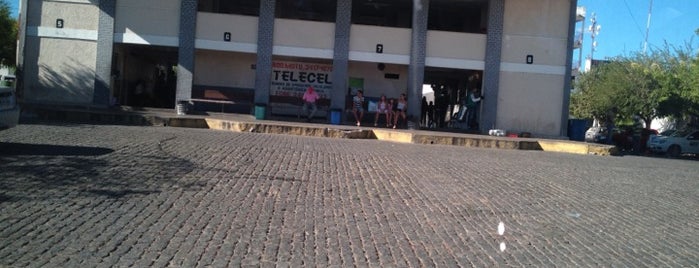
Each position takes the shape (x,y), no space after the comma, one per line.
(155,22)
(395,41)
(531,95)
(455,50)
(374,82)
(75,15)
(63,73)
(224,69)
(212,26)
(301,38)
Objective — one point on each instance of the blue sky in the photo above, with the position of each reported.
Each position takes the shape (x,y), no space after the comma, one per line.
(624,24)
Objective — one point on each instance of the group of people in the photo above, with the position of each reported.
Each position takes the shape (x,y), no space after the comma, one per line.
(393,110)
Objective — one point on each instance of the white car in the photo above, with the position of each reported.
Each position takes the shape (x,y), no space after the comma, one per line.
(676,144)
(9,110)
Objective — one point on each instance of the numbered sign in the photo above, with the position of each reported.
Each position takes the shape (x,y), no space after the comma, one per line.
(379,48)
(227,36)
(59,23)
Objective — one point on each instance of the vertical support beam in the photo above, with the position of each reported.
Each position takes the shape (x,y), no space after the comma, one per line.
(418,51)
(19,72)
(343,24)
(105,47)
(567,83)
(265,43)
(185,55)
(491,72)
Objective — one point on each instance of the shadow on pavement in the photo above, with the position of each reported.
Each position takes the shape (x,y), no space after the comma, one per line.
(51,150)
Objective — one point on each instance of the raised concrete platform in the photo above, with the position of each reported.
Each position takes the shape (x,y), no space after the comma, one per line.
(247,123)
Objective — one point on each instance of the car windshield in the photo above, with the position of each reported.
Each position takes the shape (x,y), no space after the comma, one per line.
(681,133)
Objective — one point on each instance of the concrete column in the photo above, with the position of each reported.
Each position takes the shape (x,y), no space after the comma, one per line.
(19,72)
(418,51)
(343,24)
(491,72)
(565,109)
(185,57)
(265,43)
(105,48)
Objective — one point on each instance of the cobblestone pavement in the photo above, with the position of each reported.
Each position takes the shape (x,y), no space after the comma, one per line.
(90,195)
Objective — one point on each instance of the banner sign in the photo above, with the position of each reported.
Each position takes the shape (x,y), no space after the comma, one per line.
(293,78)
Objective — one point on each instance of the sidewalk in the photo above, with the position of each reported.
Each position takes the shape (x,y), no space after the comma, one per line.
(248,123)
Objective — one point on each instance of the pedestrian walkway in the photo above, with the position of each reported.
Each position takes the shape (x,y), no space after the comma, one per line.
(248,123)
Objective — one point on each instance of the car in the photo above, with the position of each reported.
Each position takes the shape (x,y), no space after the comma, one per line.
(678,143)
(653,137)
(9,110)
(596,134)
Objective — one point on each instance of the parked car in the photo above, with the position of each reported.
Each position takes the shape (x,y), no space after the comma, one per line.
(9,110)
(596,134)
(678,143)
(653,137)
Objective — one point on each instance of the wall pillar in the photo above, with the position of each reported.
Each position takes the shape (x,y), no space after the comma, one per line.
(491,72)
(343,24)
(567,83)
(265,43)
(105,48)
(185,55)
(418,51)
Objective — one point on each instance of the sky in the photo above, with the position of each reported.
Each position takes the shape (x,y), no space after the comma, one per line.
(623,25)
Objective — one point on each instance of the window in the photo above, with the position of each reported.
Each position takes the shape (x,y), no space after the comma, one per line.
(315,10)
(239,7)
(388,13)
(458,16)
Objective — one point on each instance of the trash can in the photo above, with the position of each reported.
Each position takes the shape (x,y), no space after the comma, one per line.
(576,129)
(335,115)
(260,110)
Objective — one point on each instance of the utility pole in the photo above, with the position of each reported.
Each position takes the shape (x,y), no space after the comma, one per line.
(645,41)
(594,31)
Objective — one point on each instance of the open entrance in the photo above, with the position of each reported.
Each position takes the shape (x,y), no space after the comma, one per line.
(144,76)
(446,92)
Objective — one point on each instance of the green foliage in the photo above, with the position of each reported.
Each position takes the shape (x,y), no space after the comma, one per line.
(8,35)
(662,83)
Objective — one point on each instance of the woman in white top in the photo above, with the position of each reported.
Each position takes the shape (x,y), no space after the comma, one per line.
(401,107)
(382,108)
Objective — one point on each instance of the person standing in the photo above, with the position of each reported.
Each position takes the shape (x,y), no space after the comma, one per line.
(423,111)
(472,101)
(637,131)
(309,103)
(430,114)
(609,124)
(358,107)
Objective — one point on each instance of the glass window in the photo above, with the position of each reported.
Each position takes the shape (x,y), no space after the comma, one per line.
(458,16)
(315,10)
(239,7)
(388,13)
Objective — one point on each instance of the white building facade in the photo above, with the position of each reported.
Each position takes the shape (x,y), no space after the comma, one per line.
(156,52)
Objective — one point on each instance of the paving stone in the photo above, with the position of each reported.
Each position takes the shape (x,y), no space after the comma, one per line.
(98,195)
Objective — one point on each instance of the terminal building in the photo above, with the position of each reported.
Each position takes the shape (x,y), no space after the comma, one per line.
(230,55)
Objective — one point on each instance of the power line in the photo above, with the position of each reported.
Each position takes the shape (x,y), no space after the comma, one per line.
(638,27)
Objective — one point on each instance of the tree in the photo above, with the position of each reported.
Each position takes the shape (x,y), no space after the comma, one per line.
(662,83)
(8,35)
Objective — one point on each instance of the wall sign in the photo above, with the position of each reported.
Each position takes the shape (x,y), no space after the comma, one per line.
(293,78)
(59,23)
(227,36)
(530,59)
(379,48)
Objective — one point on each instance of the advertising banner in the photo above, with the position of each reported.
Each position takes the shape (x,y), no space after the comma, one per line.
(293,78)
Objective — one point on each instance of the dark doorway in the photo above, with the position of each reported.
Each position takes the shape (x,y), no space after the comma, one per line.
(145,76)
(449,89)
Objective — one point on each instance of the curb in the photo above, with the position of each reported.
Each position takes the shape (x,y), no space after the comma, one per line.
(120,117)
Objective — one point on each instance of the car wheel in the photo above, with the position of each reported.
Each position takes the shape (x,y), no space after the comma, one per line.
(674,151)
